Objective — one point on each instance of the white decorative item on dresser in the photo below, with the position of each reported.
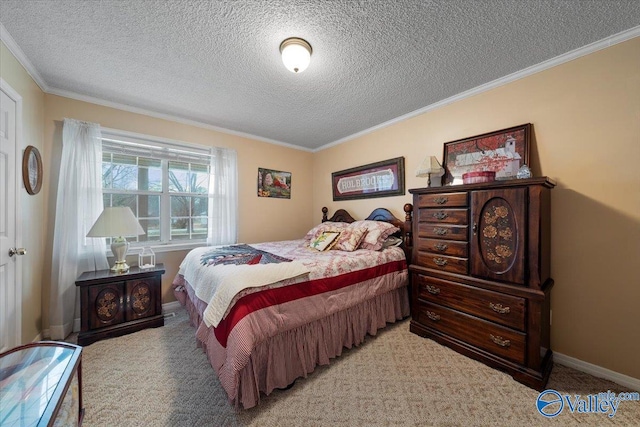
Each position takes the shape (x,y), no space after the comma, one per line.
(146,258)
(480,273)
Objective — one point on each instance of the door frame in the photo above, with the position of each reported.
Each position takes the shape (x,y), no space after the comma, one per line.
(14,95)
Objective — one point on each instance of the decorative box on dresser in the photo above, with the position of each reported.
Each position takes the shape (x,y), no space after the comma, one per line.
(480,273)
(114,304)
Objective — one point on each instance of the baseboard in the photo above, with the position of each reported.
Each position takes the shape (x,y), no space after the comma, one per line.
(166,308)
(171,307)
(597,371)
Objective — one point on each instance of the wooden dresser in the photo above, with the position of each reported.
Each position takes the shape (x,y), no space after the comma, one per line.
(480,273)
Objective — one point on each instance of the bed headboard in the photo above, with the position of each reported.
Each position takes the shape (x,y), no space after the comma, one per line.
(381,214)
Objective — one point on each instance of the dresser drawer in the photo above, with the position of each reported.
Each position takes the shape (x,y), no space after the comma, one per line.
(443,216)
(444,247)
(442,262)
(442,200)
(504,309)
(489,336)
(443,231)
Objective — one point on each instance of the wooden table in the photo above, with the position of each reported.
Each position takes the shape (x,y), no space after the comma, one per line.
(41,385)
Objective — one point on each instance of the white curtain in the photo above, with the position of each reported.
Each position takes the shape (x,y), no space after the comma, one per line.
(78,205)
(223,197)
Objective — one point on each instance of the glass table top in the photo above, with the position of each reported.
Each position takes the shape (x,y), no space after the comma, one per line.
(28,380)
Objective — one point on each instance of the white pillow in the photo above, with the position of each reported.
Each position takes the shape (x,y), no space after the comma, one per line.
(391,242)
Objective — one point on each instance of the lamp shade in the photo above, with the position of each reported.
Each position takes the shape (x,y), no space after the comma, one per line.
(429,165)
(296,54)
(116,221)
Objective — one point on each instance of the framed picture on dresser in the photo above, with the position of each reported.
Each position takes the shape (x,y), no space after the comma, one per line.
(503,152)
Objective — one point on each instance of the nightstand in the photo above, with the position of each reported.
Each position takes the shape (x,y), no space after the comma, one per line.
(117,304)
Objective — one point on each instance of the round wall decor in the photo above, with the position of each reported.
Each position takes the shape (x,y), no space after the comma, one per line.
(32,170)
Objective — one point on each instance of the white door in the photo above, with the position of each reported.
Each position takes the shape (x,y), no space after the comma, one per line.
(10,292)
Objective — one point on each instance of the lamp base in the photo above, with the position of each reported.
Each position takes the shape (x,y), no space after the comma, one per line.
(120,267)
(119,247)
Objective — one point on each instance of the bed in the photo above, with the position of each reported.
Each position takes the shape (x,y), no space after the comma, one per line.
(313,304)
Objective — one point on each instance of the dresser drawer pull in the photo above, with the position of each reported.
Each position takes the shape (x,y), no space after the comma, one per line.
(441,246)
(441,262)
(431,315)
(440,215)
(500,341)
(498,308)
(441,200)
(440,231)
(433,290)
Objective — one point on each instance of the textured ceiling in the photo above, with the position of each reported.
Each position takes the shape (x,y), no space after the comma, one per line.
(218,63)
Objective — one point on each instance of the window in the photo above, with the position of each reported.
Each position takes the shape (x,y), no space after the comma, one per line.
(171,188)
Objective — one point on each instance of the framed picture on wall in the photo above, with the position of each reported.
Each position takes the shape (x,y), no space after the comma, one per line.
(273,183)
(503,152)
(32,170)
(381,179)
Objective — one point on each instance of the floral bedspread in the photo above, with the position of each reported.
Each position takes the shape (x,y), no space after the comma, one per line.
(333,262)
(319,265)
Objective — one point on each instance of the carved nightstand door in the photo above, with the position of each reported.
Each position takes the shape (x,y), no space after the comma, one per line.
(118,304)
(108,305)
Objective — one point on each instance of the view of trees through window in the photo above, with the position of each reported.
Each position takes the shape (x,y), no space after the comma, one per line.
(169,198)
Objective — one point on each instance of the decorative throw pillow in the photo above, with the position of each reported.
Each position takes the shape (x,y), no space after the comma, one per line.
(377,233)
(325,240)
(318,229)
(350,238)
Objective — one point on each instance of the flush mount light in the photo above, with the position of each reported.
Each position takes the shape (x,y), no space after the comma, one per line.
(296,54)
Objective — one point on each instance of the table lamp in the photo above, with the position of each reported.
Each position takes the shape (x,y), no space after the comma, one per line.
(431,168)
(117,222)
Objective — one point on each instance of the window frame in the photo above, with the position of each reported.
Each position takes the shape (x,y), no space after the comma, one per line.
(139,144)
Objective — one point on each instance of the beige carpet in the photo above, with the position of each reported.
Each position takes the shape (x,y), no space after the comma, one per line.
(158,377)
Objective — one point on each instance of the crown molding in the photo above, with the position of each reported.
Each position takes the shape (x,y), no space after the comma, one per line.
(22,58)
(169,117)
(545,65)
(558,60)
(31,70)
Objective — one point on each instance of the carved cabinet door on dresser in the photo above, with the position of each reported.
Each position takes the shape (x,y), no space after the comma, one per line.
(480,273)
(117,304)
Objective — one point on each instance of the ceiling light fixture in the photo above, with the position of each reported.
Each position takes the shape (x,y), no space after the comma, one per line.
(296,54)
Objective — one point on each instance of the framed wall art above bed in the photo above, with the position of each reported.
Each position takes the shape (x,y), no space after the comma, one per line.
(380,179)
